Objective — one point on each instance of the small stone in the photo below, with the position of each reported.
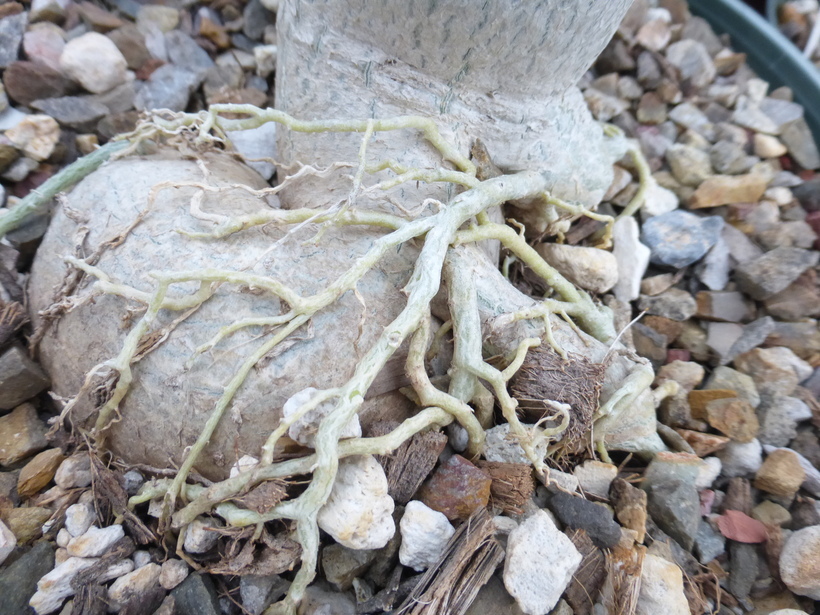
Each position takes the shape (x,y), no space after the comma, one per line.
(27,523)
(539,564)
(457,488)
(36,136)
(304,429)
(132,481)
(79,518)
(18,580)
(258,592)
(133,584)
(800,562)
(21,434)
(196,596)
(341,565)
(770,513)
(680,238)
(674,304)
(43,43)
(494,598)
(654,35)
(689,116)
(709,543)
(734,417)
(798,138)
(74,472)
(76,112)
(689,165)
(131,44)
(659,201)
(743,386)
(767,146)
(499,445)
(780,415)
(776,371)
(265,56)
(781,473)
(744,569)
(184,52)
(173,572)
(425,533)
(11,35)
(590,268)
(630,507)
(781,112)
(692,61)
(801,299)
(729,158)
(728,306)
(595,477)
(702,443)
(56,586)
(168,87)
(632,257)
(257,143)
(8,541)
(728,189)
(741,459)
(199,535)
(50,10)
(651,109)
(603,106)
(141,558)
(29,81)
(661,588)
(749,115)
(358,513)
(318,601)
(163,18)
(95,541)
(774,271)
(38,472)
(579,513)
(94,61)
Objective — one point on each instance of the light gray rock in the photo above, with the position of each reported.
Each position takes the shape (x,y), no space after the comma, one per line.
(714,270)
(11,35)
(7,542)
(133,584)
(168,87)
(661,588)
(590,268)
(258,592)
(94,61)
(595,477)
(693,61)
(774,271)
(95,541)
(680,238)
(741,459)
(304,429)
(141,558)
(174,572)
(199,538)
(499,445)
(811,483)
(539,564)
(727,378)
(690,165)
(659,201)
(257,143)
(78,518)
(342,565)
(358,513)
(183,51)
(54,587)
(424,535)
(20,377)
(632,257)
(800,562)
(74,472)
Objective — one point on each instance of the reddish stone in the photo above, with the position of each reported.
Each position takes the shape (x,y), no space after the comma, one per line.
(29,81)
(144,71)
(703,443)
(457,489)
(678,354)
(740,527)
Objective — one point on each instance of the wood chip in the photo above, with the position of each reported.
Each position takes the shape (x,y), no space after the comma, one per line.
(451,584)
(111,498)
(512,487)
(409,464)
(263,497)
(622,586)
(583,590)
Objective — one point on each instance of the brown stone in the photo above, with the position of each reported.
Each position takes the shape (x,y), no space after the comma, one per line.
(703,443)
(21,434)
(29,81)
(215,33)
(457,489)
(734,417)
(131,44)
(726,306)
(8,9)
(727,189)
(630,506)
(698,400)
(38,472)
(781,473)
(20,378)
(800,299)
(98,18)
(665,326)
(26,523)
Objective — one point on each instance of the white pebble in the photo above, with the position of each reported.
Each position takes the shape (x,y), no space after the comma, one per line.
(132,584)
(198,537)
(74,472)
(78,518)
(741,459)
(661,588)
(63,538)
(141,558)
(174,572)
(94,61)
(245,463)
(708,472)
(800,562)
(95,542)
(424,535)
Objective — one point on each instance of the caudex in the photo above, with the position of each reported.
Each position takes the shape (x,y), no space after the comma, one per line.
(440,229)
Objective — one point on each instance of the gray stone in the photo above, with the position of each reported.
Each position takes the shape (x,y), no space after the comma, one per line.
(341,564)
(754,334)
(196,596)
(692,59)
(675,507)
(257,143)
(580,513)
(808,193)
(723,377)
(743,569)
(714,270)
(709,543)
(779,416)
(77,112)
(320,601)
(798,138)
(494,598)
(632,256)
(118,99)
(590,268)
(168,87)
(11,36)
(256,18)
(741,248)
(800,562)
(675,304)
(183,51)
(689,116)
(698,29)
(689,165)
(18,581)
(21,434)
(680,238)
(20,378)
(132,481)
(730,158)
(259,592)
(781,112)
(774,271)
(721,336)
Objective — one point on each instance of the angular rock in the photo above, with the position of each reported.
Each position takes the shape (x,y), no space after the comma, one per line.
(741,459)
(494,598)
(200,537)
(752,336)
(770,513)
(595,477)
(77,112)
(781,473)
(258,592)
(726,306)
(173,572)
(95,541)
(499,445)
(7,542)
(774,271)
(257,143)
(742,385)
(36,136)
(714,270)
(21,434)
(709,543)
(630,507)
(655,34)
(579,513)
(168,87)
(744,569)
(733,417)
(318,601)
(134,584)
(79,518)
(801,299)
(690,165)
(589,268)
(457,488)
(342,565)
(776,371)
(56,586)
(674,304)
(38,472)
(800,562)
(675,507)
(94,61)
(661,588)
(18,580)
(730,158)
(74,472)
(27,523)
(11,35)
(539,564)
(425,533)
(797,137)
(658,201)
(729,189)
(183,51)
(703,443)
(680,238)
(358,513)
(196,596)
(692,61)
(632,257)
(28,81)
(779,417)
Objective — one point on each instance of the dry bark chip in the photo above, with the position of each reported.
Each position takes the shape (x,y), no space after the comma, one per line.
(451,584)
(583,590)
(512,486)
(630,506)
(111,498)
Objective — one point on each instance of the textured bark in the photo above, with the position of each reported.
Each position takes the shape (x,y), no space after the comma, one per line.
(501,71)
